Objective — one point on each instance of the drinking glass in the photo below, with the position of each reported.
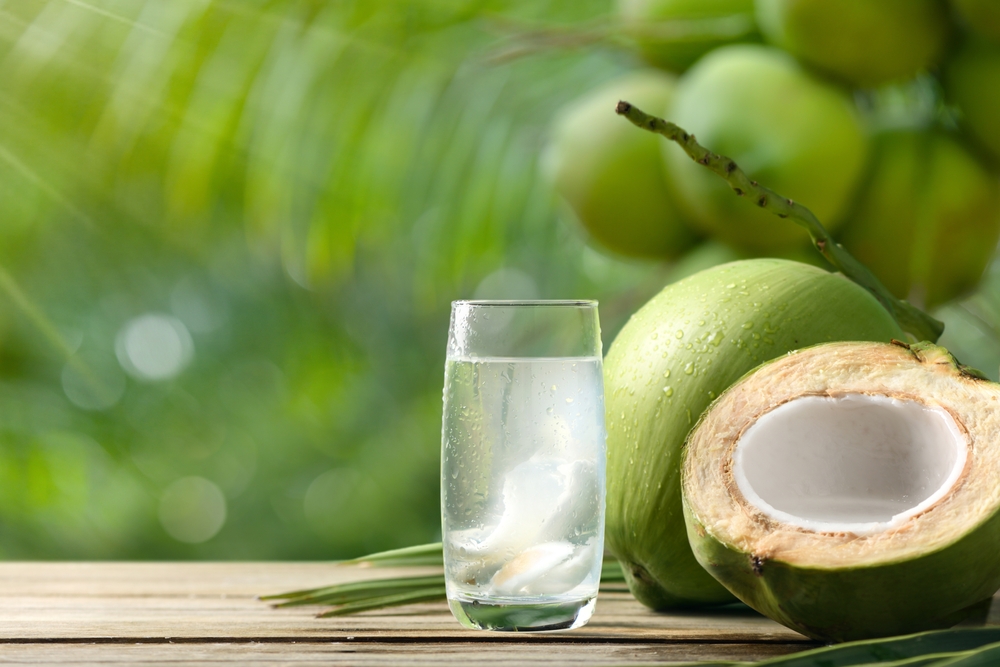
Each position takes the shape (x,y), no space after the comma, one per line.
(523,464)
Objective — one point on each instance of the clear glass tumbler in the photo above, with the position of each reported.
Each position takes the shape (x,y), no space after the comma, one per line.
(523,464)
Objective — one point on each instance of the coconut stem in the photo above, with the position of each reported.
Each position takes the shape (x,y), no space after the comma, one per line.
(913,320)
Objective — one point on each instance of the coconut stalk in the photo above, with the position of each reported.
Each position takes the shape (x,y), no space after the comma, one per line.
(910,318)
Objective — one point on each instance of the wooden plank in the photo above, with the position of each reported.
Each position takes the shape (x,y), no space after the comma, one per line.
(208,614)
(216,602)
(497,654)
(57,618)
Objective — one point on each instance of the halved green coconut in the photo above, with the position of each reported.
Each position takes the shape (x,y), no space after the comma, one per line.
(850,490)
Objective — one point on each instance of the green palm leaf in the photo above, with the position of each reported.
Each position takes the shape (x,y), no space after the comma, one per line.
(376,593)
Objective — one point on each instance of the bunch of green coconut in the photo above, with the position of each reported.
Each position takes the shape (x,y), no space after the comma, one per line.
(770,439)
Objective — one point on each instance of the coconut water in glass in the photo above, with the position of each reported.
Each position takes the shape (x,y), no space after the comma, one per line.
(523,464)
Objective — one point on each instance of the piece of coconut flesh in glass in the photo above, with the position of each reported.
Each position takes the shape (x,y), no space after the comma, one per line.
(855,463)
(545,539)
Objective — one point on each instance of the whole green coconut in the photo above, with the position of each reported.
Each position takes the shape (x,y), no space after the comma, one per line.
(672,34)
(972,83)
(862,42)
(928,217)
(674,356)
(784,127)
(612,175)
(980,16)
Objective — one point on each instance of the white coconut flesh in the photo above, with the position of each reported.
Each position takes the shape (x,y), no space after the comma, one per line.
(853,463)
(846,454)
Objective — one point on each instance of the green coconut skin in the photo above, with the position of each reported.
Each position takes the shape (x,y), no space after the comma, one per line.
(795,133)
(972,83)
(673,357)
(849,604)
(935,205)
(687,29)
(613,177)
(864,43)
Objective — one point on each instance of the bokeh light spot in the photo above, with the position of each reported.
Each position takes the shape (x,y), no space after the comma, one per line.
(154,347)
(192,509)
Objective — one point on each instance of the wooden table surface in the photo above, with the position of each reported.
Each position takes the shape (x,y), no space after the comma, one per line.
(207,613)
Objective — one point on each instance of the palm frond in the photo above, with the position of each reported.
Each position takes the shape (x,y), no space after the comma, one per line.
(419,555)
(376,593)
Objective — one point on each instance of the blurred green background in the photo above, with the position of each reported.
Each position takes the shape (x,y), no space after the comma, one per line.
(230,233)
